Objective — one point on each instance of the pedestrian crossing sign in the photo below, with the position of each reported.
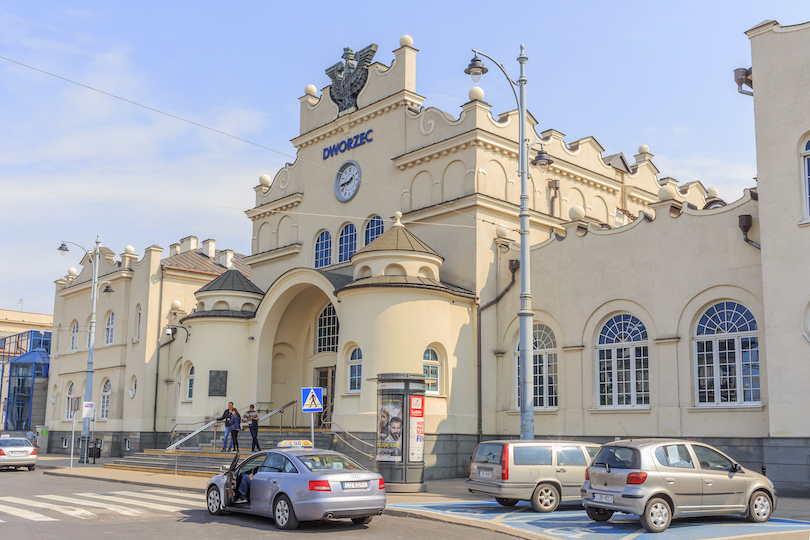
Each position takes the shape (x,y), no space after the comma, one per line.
(312,399)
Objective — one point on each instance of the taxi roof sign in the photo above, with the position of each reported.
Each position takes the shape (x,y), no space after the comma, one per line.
(295,444)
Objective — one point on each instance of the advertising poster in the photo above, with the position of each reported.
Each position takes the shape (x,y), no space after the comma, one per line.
(389,428)
(416,448)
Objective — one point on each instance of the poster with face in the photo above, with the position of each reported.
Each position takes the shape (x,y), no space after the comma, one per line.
(389,428)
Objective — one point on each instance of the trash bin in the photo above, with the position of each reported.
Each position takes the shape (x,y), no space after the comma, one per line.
(400,449)
(94,449)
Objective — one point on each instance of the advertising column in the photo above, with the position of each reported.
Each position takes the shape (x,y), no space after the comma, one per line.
(401,431)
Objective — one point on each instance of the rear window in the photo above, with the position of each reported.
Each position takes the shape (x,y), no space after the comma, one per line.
(8,443)
(618,457)
(329,462)
(571,456)
(592,451)
(532,455)
(488,453)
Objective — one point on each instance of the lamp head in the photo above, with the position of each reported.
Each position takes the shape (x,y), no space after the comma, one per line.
(62,249)
(542,160)
(476,69)
(108,290)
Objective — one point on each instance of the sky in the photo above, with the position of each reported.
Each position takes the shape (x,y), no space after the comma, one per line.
(75,163)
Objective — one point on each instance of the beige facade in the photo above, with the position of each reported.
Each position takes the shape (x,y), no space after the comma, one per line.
(373,251)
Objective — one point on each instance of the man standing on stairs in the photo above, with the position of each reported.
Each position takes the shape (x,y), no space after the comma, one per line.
(252,419)
(227,416)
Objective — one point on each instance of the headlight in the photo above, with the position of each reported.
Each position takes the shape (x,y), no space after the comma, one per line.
(769,481)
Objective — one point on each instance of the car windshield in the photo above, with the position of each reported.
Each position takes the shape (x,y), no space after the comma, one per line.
(329,462)
(490,453)
(8,443)
(618,457)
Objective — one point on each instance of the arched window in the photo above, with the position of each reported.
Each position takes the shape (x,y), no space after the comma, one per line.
(106,390)
(138,324)
(727,356)
(347,243)
(323,250)
(355,371)
(109,331)
(69,402)
(74,337)
(374,228)
(623,361)
(327,330)
(190,385)
(544,373)
(432,367)
(806,180)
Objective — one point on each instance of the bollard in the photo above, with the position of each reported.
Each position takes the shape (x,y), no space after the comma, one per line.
(764,468)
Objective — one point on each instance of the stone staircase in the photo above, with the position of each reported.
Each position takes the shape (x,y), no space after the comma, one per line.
(206,461)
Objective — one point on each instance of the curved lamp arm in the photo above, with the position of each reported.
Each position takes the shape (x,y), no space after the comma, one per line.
(77,245)
(512,83)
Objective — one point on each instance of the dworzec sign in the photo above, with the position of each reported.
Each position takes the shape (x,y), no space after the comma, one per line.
(348,144)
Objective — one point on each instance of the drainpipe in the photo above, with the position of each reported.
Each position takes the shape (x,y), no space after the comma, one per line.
(742,77)
(514,265)
(555,187)
(745,222)
(157,363)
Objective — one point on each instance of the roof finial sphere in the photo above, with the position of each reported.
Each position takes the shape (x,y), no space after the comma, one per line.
(576,213)
(397,217)
(265,180)
(176,305)
(501,231)
(129,250)
(72,272)
(643,149)
(712,193)
(310,90)
(667,193)
(476,93)
(406,41)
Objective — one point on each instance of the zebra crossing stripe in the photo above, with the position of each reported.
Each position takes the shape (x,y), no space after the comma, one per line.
(25,514)
(153,497)
(121,500)
(114,507)
(69,510)
(184,494)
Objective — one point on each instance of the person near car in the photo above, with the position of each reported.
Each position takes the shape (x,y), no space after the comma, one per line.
(31,436)
(244,489)
(226,416)
(235,422)
(252,419)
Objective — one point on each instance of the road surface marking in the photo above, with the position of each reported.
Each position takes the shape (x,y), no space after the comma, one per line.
(25,514)
(121,500)
(153,497)
(186,494)
(115,508)
(69,510)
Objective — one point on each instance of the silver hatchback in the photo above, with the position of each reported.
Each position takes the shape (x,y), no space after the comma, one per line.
(659,480)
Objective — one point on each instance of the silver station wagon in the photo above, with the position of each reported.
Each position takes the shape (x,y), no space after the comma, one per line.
(544,473)
(659,480)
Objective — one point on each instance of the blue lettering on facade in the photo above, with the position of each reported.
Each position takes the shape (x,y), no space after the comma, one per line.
(348,144)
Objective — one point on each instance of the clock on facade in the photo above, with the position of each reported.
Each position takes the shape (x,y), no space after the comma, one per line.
(347,181)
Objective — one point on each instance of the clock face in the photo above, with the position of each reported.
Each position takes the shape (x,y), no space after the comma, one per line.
(347,181)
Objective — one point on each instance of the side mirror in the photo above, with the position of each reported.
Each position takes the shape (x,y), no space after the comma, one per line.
(225,468)
(736,467)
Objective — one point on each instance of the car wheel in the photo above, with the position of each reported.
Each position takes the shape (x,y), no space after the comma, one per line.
(32,467)
(283,514)
(598,514)
(545,498)
(214,501)
(506,502)
(657,516)
(759,507)
(362,520)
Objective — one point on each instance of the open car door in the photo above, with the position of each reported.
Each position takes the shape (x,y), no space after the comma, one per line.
(230,480)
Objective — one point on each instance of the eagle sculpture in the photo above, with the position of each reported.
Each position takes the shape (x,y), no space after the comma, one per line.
(349,76)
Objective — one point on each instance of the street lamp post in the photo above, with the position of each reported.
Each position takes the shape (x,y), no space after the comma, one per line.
(525,315)
(88,389)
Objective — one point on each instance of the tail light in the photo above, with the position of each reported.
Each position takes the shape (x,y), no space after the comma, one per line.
(2,453)
(505,463)
(636,478)
(34,452)
(320,485)
(382,484)
(587,476)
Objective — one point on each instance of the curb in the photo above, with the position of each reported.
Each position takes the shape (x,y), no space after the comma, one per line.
(472,523)
(130,482)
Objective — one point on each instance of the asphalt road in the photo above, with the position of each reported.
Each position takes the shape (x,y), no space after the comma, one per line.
(33,505)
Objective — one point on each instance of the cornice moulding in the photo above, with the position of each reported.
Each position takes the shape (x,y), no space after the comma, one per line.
(279,205)
(273,254)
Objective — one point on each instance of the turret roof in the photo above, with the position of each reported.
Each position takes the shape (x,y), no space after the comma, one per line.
(232,280)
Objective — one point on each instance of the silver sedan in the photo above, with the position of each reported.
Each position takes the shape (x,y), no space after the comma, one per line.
(292,485)
(17,452)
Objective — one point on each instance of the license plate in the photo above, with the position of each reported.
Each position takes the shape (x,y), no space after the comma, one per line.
(484,474)
(19,453)
(355,485)
(602,498)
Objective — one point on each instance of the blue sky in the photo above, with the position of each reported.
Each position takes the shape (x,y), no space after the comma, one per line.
(627,73)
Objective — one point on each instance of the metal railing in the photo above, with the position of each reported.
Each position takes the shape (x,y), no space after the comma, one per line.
(327,428)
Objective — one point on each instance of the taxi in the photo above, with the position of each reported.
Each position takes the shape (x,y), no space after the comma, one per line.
(297,482)
(17,452)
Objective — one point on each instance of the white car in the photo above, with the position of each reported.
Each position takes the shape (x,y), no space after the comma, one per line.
(17,452)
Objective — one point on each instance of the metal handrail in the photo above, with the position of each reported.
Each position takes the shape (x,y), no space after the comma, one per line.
(174,431)
(344,441)
(280,409)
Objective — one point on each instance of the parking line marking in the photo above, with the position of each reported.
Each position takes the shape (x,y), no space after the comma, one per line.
(68,510)
(633,535)
(120,500)
(195,496)
(25,514)
(115,508)
(153,497)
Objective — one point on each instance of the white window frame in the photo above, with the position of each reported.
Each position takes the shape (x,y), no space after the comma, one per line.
(546,350)
(74,336)
(109,329)
(327,341)
(432,361)
(805,167)
(610,350)
(347,242)
(717,377)
(68,399)
(106,391)
(190,384)
(326,249)
(354,370)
